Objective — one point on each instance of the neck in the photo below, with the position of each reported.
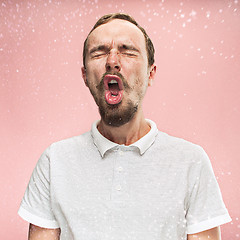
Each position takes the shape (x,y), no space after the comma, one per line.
(128,133)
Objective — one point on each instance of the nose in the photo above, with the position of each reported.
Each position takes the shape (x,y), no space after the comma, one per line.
(113,62)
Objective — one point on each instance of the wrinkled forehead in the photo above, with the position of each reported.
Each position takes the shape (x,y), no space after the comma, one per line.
(118,31)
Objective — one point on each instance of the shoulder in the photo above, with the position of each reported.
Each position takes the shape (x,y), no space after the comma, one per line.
(72,144)
(182,149)
(75,140)
(171,142)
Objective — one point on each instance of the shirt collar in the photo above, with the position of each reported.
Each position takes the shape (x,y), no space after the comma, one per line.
(103,144)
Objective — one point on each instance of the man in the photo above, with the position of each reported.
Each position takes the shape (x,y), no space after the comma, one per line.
(124,179)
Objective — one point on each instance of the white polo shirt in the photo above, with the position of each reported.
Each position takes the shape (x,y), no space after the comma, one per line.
(160,187)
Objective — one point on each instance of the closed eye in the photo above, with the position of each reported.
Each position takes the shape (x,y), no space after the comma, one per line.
(99,51)
(98,54)
(128,50)
(129,54)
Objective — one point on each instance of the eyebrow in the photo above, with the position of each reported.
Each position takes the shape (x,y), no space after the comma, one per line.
(107,48)
(128,47)
(99,48)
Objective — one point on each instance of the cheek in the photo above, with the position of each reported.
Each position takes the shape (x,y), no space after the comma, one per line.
(94,74)
(96,63)
(141,78)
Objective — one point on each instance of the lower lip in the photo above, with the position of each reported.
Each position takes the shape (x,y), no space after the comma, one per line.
(113,99)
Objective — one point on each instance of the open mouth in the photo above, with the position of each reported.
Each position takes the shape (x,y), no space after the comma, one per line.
(113,89)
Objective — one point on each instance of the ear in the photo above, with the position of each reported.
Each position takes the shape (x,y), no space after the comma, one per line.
(84,75)
(152,72)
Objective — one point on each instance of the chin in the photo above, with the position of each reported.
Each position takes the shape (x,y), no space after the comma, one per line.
(115,117)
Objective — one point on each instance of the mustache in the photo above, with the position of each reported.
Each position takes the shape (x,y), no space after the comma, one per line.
(100,86)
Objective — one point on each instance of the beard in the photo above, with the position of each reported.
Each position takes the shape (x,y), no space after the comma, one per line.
(114,115)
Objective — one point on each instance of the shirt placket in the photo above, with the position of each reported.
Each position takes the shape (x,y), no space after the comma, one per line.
(119,184)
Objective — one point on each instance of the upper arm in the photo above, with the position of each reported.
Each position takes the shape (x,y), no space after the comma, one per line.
(38,233)
(211,234)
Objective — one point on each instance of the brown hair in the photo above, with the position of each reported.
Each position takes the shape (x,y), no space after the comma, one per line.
(108,17)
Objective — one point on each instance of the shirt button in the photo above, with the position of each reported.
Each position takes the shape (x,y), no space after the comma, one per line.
(119,188)
(120,153)
(120,169)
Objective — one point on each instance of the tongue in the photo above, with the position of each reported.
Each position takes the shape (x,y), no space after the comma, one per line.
(114,89)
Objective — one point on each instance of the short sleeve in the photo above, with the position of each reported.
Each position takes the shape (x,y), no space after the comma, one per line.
(206,208)
(36,203)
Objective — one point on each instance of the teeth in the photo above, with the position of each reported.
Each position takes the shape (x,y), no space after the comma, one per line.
(113,81)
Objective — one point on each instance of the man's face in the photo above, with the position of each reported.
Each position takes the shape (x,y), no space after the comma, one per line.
(117,71)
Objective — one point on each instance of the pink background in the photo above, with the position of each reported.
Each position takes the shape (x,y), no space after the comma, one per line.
(43,98)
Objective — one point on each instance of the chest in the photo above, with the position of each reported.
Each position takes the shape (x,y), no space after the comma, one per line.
(122,195)
(122,181)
